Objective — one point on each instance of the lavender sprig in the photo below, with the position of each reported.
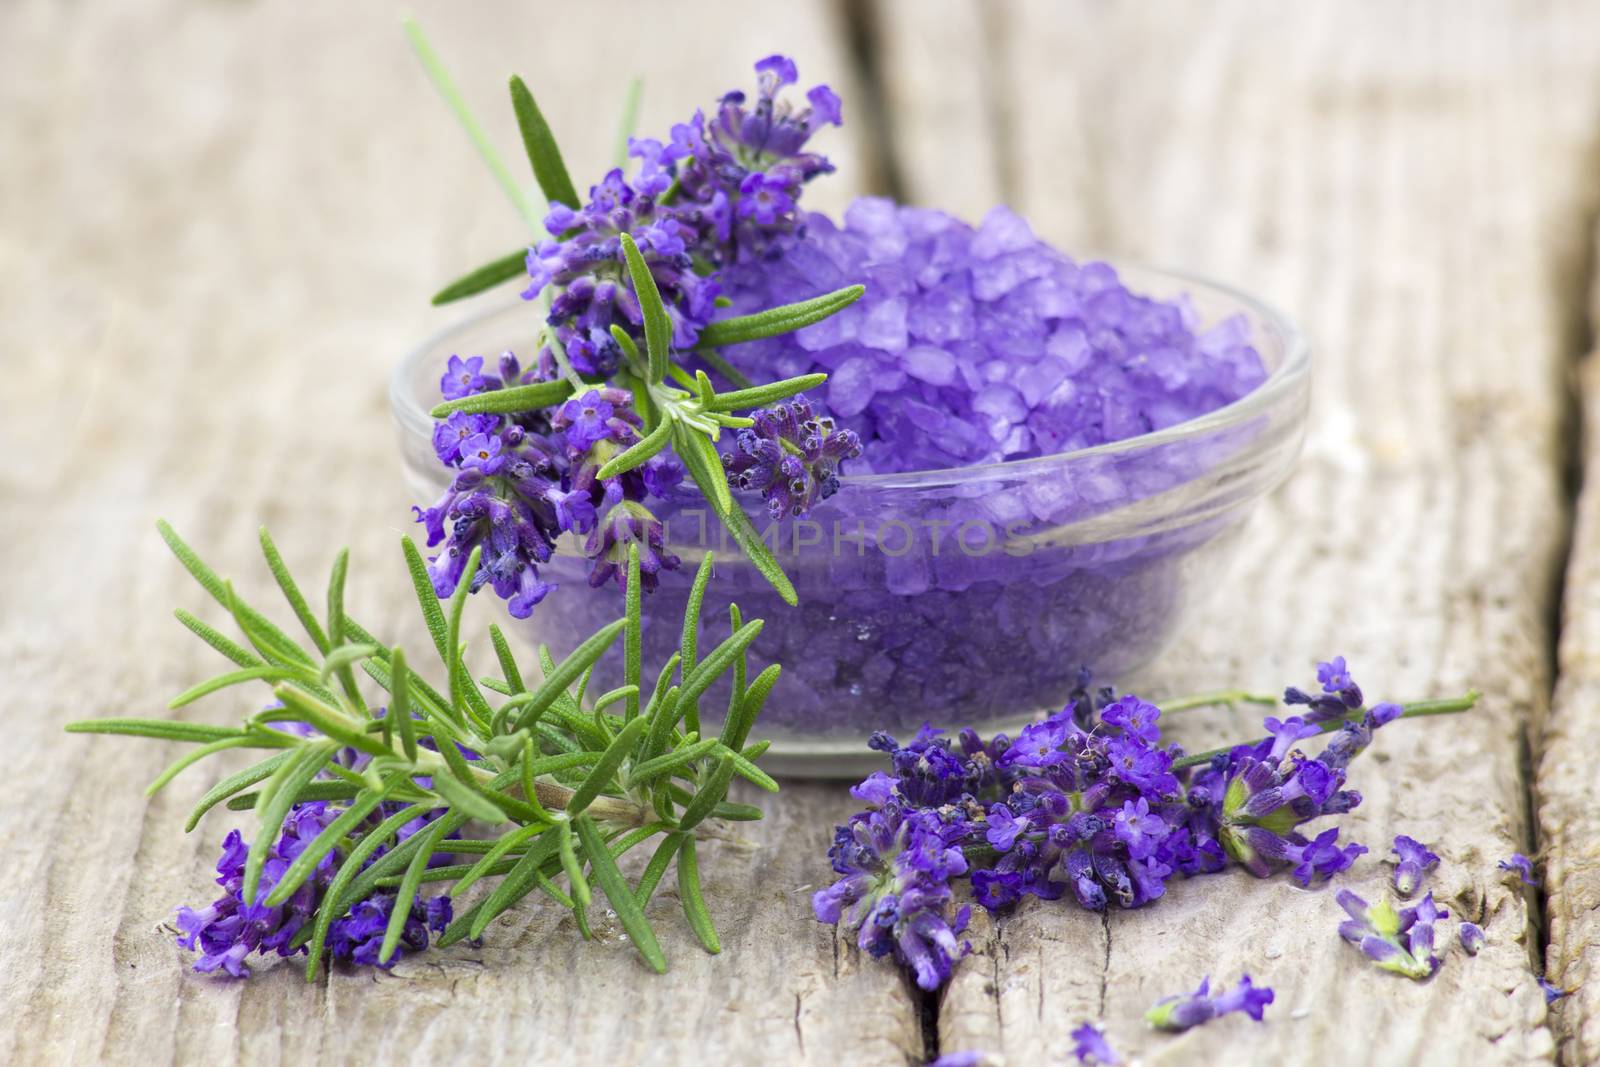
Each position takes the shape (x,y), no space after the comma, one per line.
(359,805)
(1088,804)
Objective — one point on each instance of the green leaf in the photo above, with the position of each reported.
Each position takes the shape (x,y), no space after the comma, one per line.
(631,351)
(208,578)
(736,728)
(656,868)
(318,790)
(708,796)
(158,728)
(442,82)
(669,762)
(232,784)
(328,720)
(463,688)
(334,833)
(400,913)
(265,672)
(533,704)
(704,466)
(632,634)
(581,895)
(340,659)
(760,556)
(778,320)
(508,662)
(507,841)
(640,452)
(543,154)
(747,770)
(291,592)
(427,599)
(720,659)
(615,887)
(512,888)
(657,326)
(602,773)
(278,796)
(191,757)
(762,395)
(517,398)
(346,873)
(689,640)
(465,799)
(400,703)
(694,904)
(512,265)
(223,644)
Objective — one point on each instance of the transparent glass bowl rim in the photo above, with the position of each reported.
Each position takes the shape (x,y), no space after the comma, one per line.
(1283,382)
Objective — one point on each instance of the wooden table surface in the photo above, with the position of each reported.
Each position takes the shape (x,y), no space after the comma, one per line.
(219,224)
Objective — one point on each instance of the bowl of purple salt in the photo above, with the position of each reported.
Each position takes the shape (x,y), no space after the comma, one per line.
(1058,457)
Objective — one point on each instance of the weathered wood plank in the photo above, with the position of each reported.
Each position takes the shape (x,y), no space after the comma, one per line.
(1368,167)
(221,225)
(1569,769)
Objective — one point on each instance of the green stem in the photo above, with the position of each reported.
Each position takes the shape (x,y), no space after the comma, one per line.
(1221,696)
(1415,710)
(480,140)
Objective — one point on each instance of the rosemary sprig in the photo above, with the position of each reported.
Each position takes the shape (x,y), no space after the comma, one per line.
(564,789)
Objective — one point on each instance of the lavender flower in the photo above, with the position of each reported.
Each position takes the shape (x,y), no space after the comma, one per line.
(1471,935)
(1087,804)
(524,480)
(1089,1044)
(227,931)
(1415,860)
(895,893)
(1178,1013)
(1552,993)
(1521,866)
(791,456)
(1401,941)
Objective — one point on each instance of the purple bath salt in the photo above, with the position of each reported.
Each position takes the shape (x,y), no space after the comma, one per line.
(973,595)
(983,344)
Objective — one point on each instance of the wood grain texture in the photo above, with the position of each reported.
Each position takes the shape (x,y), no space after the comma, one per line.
(219,223)
(1567,787)
(1365,166)
(219,226)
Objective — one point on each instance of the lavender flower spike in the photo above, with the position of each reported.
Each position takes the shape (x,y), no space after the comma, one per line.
(1179,1013)
(1521,866)
(1401,942)
(1415,860)
(1471,937)
(791,456)
(1089,1044)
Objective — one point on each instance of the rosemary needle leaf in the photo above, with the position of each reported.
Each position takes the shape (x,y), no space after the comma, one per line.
(709,795)
(718,661)
(543,154)
(615,887)
(508,266)
(657,326)
(532,704)
(778,320)
(432,613)
(604,771)
(657,867)
(581,896)
(762,395)
(694,904)
(193,756)
(232,784)
(508,662)
(400,914)
(334,833)
(512,888)
(291,592)
(158,728)
(278,796)
(508,401)
(346,874)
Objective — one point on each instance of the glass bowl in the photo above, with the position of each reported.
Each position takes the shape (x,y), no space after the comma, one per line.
(972,596)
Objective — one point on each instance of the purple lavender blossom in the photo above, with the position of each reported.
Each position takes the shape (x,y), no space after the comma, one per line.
(1552,993)
(792,456)
(523,480)
(894,893)
(1415,860)
(1521,866)
(1471,935)
(1089,1044)
(1182,1012)
(227,931)
(1401,942)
